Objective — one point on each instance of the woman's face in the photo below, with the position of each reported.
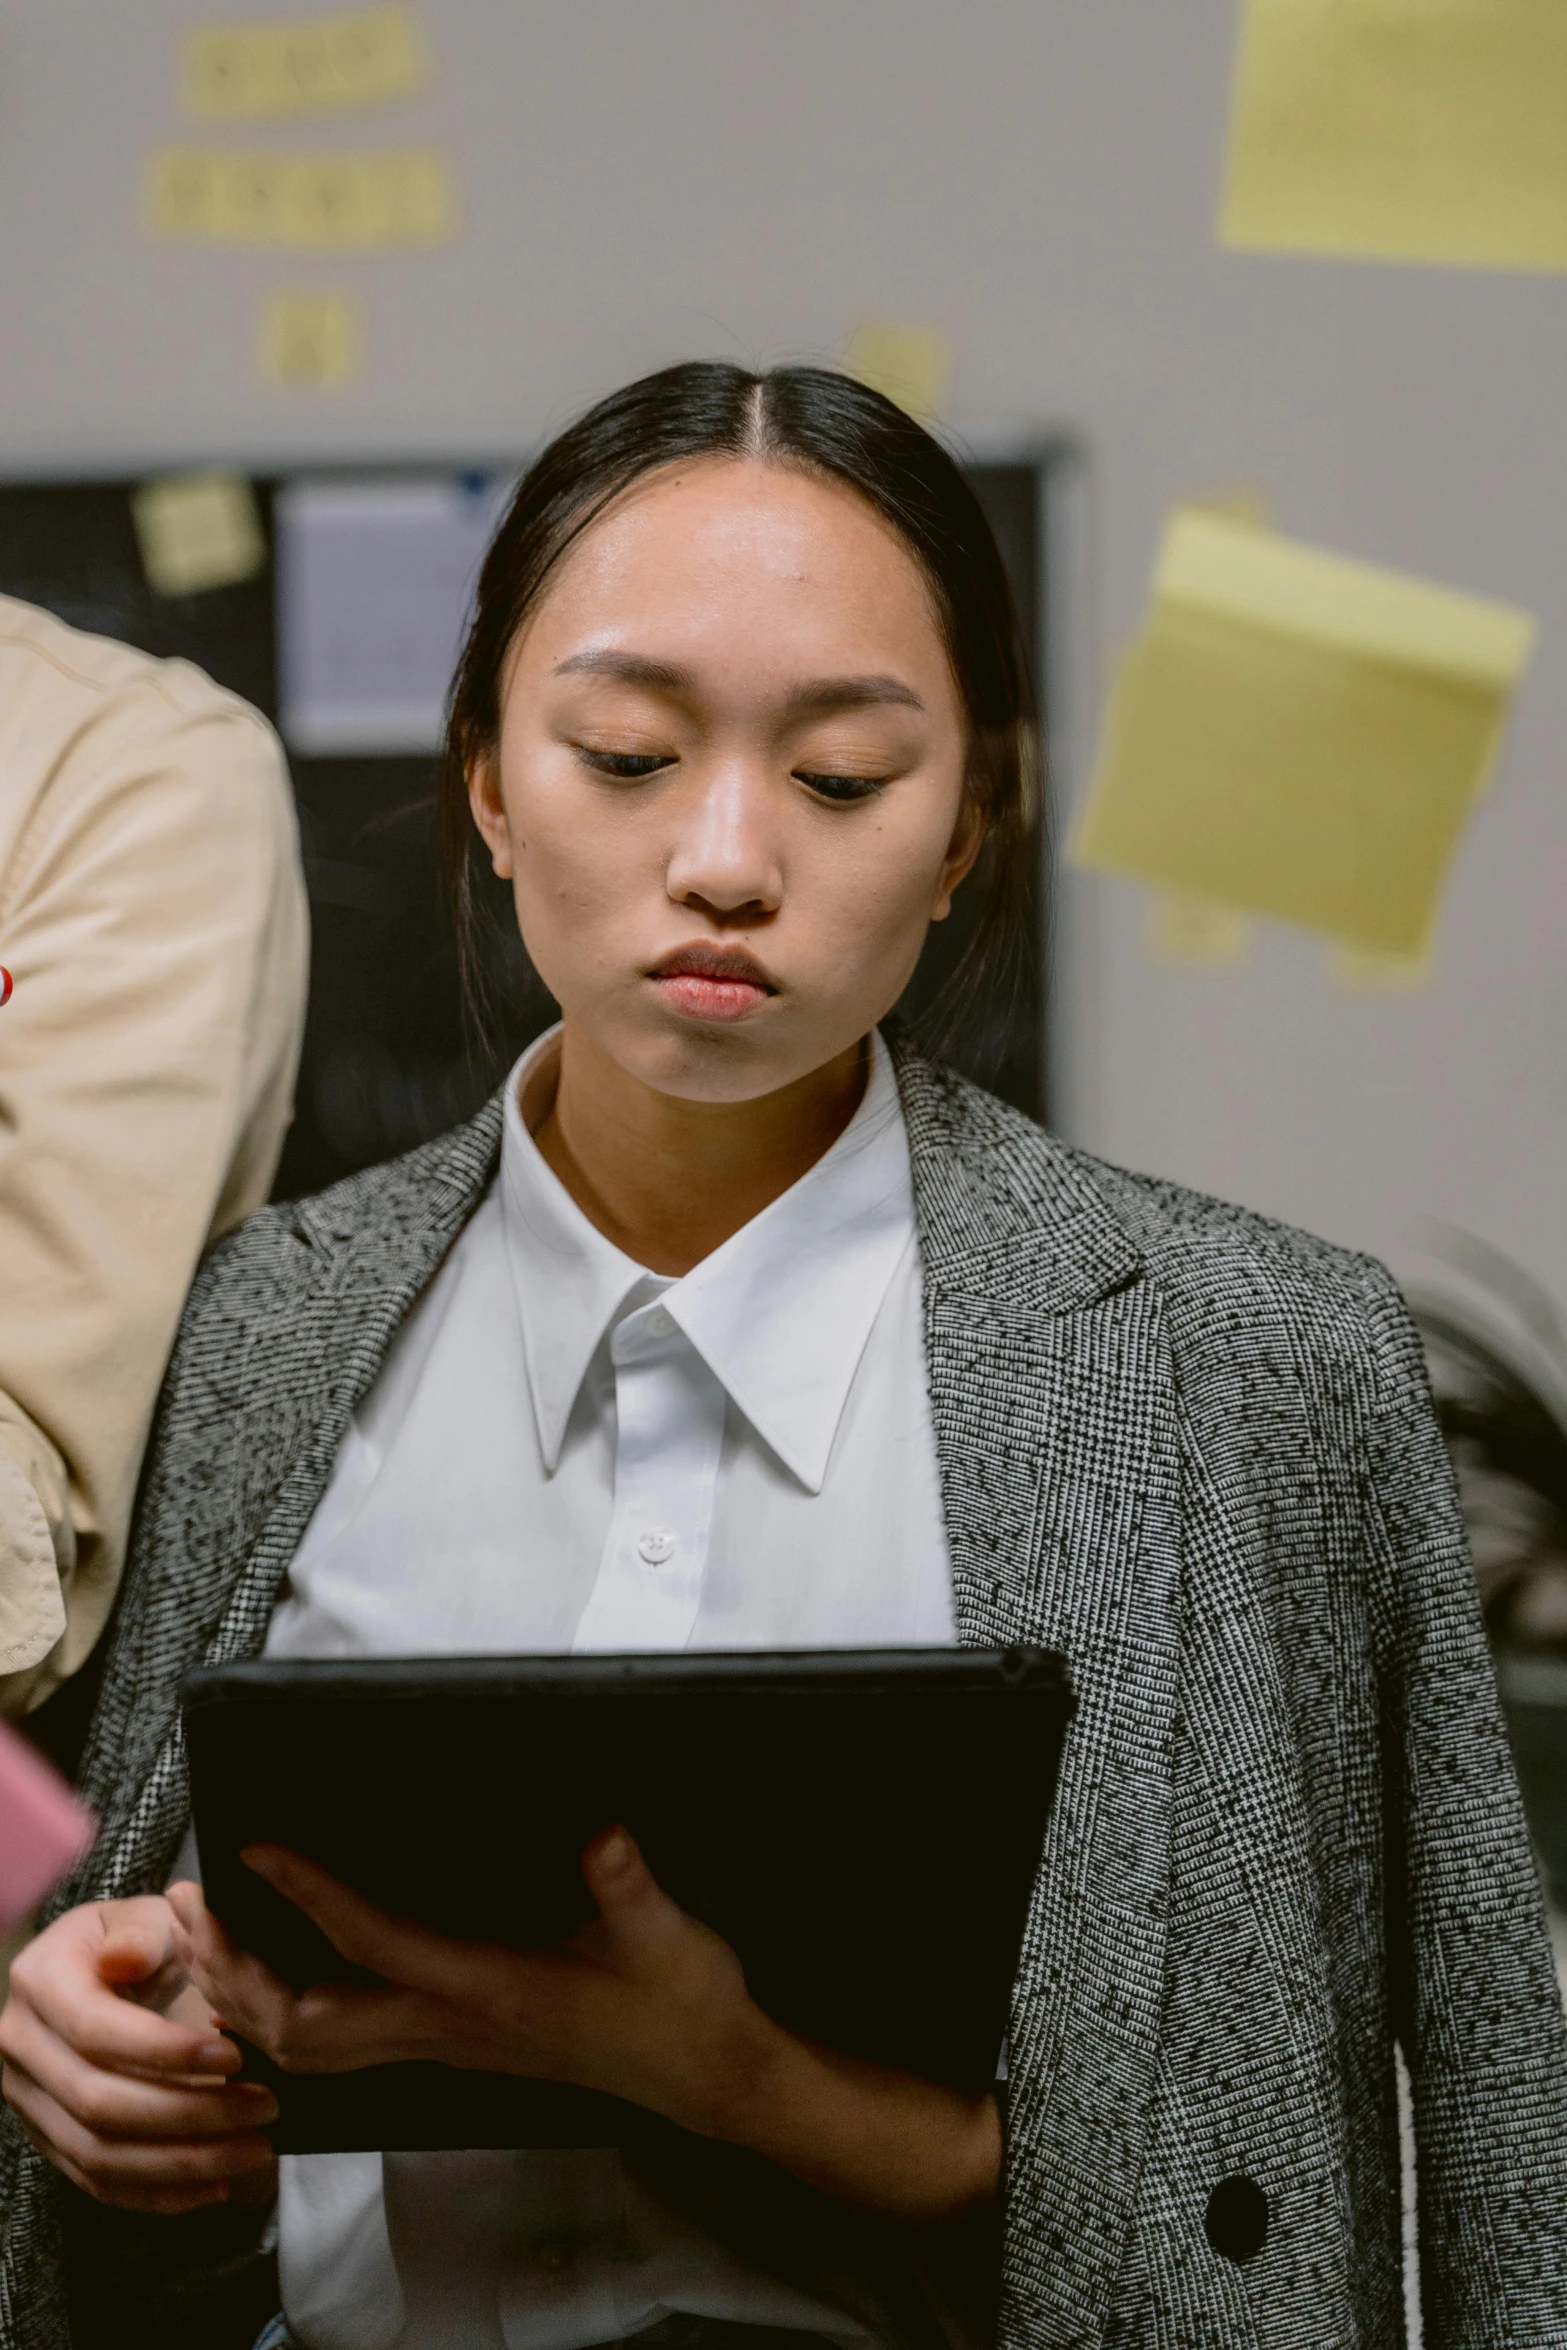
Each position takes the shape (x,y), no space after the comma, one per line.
(729,786)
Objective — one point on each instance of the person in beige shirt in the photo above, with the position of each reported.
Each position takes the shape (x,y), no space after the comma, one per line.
(153,919)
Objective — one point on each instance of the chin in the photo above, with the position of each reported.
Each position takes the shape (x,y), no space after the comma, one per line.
(715,1066)
(715,1061)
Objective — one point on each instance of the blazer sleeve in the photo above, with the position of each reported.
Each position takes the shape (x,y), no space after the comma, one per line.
(1476,2005)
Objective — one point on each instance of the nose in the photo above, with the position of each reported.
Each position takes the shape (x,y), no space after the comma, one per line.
(725,862)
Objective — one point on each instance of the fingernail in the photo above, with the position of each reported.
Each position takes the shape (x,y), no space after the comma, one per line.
(615,1853)
(216,2056)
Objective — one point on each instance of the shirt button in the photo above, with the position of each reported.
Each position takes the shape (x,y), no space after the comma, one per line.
(659,1324)
(657,1546)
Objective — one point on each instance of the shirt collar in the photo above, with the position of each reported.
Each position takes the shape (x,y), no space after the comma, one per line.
(780,1314)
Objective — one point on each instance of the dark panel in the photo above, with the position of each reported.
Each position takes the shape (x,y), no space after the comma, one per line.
(390,1058)
(71,547)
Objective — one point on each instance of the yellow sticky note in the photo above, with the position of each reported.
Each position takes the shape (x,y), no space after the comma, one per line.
(310,340)
(1299,735)
(911,365)
(381,200)
(1252,507)
(303,65)
(198,531)
(1360,973)
(1187,929)
(1402,130)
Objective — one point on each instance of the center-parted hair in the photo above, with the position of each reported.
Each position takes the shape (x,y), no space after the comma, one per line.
(821,422)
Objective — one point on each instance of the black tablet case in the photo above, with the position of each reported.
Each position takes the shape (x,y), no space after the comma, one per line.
(863,1827)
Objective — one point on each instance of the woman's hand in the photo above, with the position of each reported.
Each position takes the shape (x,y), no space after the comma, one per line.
(115,2065)
(644,2003)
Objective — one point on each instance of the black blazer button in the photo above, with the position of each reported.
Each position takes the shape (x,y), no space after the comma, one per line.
(1236,2219)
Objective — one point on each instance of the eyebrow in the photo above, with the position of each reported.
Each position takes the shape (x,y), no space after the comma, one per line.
(818,697)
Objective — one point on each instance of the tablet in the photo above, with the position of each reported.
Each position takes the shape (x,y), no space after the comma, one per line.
(864,1828)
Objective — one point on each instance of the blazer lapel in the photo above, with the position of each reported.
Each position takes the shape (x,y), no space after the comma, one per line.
(1056,1432)
(375,1267)
(288,1328)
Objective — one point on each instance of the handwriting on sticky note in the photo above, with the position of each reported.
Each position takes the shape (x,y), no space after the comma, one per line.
(1299,735)
(305,65)
(43,1829)
(910,365)
(1402,130)
(310,340)
(380,200)
(1183,928)
(198,531)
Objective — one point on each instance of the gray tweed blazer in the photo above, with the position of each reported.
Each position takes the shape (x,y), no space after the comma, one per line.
(1194,1450)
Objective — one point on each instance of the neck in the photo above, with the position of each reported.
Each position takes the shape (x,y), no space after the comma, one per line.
(667,1180)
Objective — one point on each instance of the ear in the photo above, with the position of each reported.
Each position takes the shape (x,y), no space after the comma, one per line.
(489,813)
(968,838)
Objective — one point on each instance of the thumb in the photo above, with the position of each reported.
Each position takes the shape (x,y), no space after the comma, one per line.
(134,1950)
(190,1917)
(636,1912)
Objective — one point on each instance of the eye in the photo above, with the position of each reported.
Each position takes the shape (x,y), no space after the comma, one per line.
(624,766)
(842,789)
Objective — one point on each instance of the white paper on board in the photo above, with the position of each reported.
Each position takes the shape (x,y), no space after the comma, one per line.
(375,582)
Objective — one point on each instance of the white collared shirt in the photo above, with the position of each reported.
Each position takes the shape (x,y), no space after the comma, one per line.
(565,1451)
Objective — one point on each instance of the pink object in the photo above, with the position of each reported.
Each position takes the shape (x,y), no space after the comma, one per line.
(5,985)
(43,1828)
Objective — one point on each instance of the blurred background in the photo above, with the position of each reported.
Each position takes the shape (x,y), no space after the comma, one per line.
(1016,205)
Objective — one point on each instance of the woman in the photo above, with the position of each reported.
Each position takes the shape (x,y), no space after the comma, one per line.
(731,1323)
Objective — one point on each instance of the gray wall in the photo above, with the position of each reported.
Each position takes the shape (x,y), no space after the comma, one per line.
(648,178)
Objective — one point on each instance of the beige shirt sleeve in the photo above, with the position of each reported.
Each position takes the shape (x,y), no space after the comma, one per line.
(153,918)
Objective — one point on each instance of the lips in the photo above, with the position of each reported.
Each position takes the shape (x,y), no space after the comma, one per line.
(712,983)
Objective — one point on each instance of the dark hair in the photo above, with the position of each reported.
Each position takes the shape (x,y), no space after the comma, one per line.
(822,422)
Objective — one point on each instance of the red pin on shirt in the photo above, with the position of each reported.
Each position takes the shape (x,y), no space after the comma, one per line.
(5,985)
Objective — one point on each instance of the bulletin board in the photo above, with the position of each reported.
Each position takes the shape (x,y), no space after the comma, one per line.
(391,1058)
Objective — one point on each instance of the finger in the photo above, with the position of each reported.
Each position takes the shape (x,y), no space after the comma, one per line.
(189,1908)
(194,2009)
(122,2037)
(205,1936)
(241,1989)
(125,2105)
(57,1978)
(637,1913)
(249,1998)
(175,2161)
(127,1944)
(167,2202)
(139,1951)
(342,2027)
(117,2170)
(134,1938)
(366,1936)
